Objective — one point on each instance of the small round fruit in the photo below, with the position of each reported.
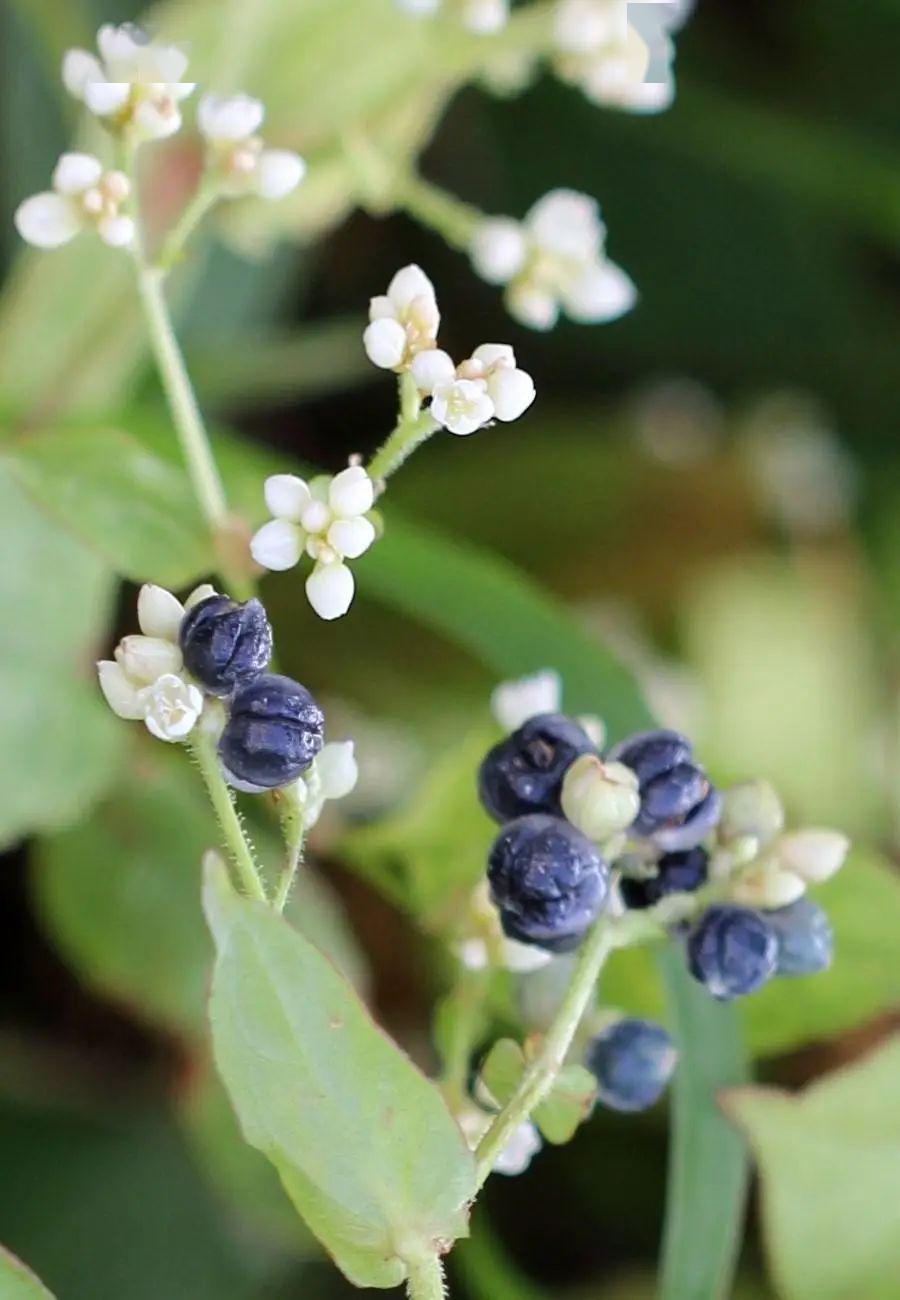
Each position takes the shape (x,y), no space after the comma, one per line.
(679,805)
(676,873)
(274,732)
(632,1061)
(733,951)
(805,938)
(524,773)
(225,644)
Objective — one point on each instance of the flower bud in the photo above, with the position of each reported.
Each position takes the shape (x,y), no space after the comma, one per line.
(224,643)
(751,808)
(145,658)
(765,884)
(814,855)
(171,707)
(600,798)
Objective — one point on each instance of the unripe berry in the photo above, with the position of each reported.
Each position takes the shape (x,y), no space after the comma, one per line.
(274,732)
(679,805)
(224,643)
(548,880)
(805,938)
(632,1061)
(676,873)
(733,951)
(524,773)
(599,798)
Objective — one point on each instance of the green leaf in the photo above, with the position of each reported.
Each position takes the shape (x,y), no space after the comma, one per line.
(364,1144)
(830,1165)
(502,1069)
(135,509)
(707,1162)
(568,1105)
(61,743)
(18,1282)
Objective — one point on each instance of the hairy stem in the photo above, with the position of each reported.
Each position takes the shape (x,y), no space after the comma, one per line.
(204,751)
(293,826)
(400,445)
(539,1077)
(425,1278)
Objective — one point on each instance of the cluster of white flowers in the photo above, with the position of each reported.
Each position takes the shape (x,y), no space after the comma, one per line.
(238,159)
(146,681)
(326,519)
(136,84)
(600,49)
(402,335)
(481,17)
(554,260)
(83,197)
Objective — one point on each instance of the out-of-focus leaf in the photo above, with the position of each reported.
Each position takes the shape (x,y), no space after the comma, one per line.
(18,1282)
(364,1144)
(135,509)
(568,1104)
(502,1069)
(60,742)
(830,1165)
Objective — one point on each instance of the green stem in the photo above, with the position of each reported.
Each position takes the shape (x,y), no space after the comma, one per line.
(454,221)
(204,198)
(400,445)
(539,1077)
(204,750)
(425,1278)
(290,812)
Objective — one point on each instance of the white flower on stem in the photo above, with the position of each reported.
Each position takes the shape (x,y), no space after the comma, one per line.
(462,405)
(333,775)
(600,50)
(488,386)
(238,157)
(83,197)
(326,519)
(403,322)
(145,681)
(136,84)
(514,702)
(554,260)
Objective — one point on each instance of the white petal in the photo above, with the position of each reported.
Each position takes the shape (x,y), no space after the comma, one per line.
(351,493)
(329,589)
(381,308)
(337,769)
(432,367)
(146,658)
(166,63)
(278,172)
(76,172)
(603,293)
(47,220)
(104,98)
(351,538)
(118,232)
(814,855)
(462,406)
(567,223)
(79,68)
(410,282)
(229,118)
(385,343)
(316,516)
(203,592)
(485,17)
(516,1156)
(499,249)
(159,612)
(122,696)
(157,119)
(582,26)
(492,355)
(514,702)
(278,545)
(120,46)
(512,392)
(523,958)
(287,496)
(171,708)
(532,306)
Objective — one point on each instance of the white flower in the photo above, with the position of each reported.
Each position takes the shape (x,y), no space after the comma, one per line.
(485,17)
(604,48)
(514,702)
(462,405)
(145,681)
(326,519)
(136,83)
(83,197)
(487,386)
(238,156)
(403,322)
(813,855)
(431,368)
(332,775)
(554,259)
(524,1143)
(765,884)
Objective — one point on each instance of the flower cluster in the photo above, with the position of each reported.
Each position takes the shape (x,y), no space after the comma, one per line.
(642,829)
(481,17)
(600,49)
(135,87)
(402,336)
(553,260)
(326,519)
(205,664)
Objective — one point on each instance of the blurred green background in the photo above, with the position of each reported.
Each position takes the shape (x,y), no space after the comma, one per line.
(710,483)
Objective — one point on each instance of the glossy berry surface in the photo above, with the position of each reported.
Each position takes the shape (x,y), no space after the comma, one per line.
(548,880)
(273,733)
(679,804)
(677,873)
(225,643)
(805,938)
(733,951)
(632,1061)
(524,773)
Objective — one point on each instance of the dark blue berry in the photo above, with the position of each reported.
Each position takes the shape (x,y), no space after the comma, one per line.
(805,938)
(225,643)
(733,951)
(679,805)
(524,773)
(676,873)
(632,1061)
(273,733)
(548,880)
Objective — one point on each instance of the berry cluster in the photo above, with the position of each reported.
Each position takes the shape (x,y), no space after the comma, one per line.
(643,829)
